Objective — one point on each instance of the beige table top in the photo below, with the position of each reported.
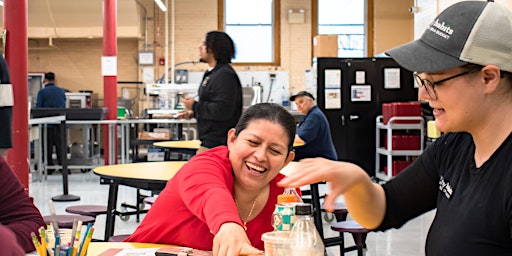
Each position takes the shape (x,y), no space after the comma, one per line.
(97,248)
(163,171)
(193,144)
(186,144)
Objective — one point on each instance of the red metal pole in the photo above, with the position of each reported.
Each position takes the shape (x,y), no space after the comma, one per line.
(110,80)
(16,55)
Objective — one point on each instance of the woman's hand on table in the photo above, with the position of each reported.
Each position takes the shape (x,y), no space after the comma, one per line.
(231,240)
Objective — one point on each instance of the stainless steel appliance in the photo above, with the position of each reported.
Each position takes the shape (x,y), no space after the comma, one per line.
(78,100)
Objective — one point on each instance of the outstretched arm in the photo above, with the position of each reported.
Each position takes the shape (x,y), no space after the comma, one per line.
(365,200)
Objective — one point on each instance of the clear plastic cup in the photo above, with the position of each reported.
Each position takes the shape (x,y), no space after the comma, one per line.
(275,242)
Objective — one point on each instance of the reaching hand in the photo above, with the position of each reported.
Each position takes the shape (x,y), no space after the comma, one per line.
(231,240)
(340,175)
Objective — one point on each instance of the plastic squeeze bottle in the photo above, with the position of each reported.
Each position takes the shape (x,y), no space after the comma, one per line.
(304,239)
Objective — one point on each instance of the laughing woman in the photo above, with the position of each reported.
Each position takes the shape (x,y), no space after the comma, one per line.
(223,198)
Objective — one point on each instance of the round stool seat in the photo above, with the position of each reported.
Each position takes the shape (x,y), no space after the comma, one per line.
(358,233)
(66,220)
(118,238)
(349,226)
(87,210)
(149,200)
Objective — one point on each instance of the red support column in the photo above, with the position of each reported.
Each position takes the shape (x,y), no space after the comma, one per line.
(110,80)
(16,54)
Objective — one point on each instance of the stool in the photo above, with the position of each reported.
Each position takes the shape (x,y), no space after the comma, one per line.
(118,238)
(66,220)
(149,200)
(87,210)
(340,211)
(358,232)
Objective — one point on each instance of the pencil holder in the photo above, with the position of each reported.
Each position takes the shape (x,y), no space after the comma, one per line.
(66,243)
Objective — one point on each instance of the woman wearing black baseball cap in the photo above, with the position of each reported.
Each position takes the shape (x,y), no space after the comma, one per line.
(463,65)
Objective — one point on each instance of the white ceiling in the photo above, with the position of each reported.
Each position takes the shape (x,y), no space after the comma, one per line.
(78,18)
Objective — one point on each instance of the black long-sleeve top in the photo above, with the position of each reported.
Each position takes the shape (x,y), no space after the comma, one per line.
(219,106)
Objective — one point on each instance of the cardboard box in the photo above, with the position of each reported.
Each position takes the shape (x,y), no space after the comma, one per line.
(154,136)
(325,46)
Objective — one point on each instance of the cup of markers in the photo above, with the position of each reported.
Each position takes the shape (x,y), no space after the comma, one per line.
(64,242)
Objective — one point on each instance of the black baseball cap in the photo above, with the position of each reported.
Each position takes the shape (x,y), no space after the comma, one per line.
(302,93)
(475,32)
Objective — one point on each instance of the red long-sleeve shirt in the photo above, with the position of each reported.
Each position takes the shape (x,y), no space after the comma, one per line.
(199,199)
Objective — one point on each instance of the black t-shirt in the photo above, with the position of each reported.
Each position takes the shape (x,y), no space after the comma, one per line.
(474,205)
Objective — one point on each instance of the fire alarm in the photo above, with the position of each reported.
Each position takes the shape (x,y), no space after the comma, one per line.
(161,61)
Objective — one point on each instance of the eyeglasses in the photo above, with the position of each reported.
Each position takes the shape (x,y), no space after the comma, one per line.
(430,86)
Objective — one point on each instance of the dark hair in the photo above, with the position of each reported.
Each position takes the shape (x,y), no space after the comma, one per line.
(272,112)
(50,76)
(221,45)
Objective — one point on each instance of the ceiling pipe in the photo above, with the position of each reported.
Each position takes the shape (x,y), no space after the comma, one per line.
(145,24)
(50,13)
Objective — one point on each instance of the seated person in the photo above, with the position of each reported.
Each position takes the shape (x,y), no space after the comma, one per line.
(313,130)
(223,198)
(8,243)
(17,213)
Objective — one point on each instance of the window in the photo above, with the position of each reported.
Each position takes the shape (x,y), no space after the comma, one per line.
(254,27)
(345,18)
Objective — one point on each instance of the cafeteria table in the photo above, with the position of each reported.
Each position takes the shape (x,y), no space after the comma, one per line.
(148,176)
(191,146)
(113,248)
(154,176)
(186,147)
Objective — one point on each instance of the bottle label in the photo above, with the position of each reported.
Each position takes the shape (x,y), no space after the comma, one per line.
(284,216)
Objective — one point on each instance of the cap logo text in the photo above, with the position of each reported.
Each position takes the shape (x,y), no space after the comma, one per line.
(441,29)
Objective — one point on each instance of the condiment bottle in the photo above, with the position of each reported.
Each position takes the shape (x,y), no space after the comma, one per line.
(283,216)
(304,239)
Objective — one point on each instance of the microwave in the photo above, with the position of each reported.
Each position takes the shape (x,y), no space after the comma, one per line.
(78,100)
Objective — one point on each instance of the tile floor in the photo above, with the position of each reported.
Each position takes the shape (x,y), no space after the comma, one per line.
(409,240)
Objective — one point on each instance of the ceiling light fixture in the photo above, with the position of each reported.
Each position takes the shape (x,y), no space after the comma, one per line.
(1,3)
(161,5)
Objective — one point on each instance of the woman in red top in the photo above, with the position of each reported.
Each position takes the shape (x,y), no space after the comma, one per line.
(223,199)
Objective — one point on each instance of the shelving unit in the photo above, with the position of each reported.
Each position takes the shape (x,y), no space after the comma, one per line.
(394,125)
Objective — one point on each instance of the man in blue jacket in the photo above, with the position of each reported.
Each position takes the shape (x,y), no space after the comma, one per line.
(313,130)
(52,96)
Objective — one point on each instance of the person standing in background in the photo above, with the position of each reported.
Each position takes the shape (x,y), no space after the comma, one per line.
(220,93)
(6,103)
(313,130)
(52,96)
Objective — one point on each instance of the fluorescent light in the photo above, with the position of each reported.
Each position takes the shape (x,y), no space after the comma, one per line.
(161,5)
(1,3)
